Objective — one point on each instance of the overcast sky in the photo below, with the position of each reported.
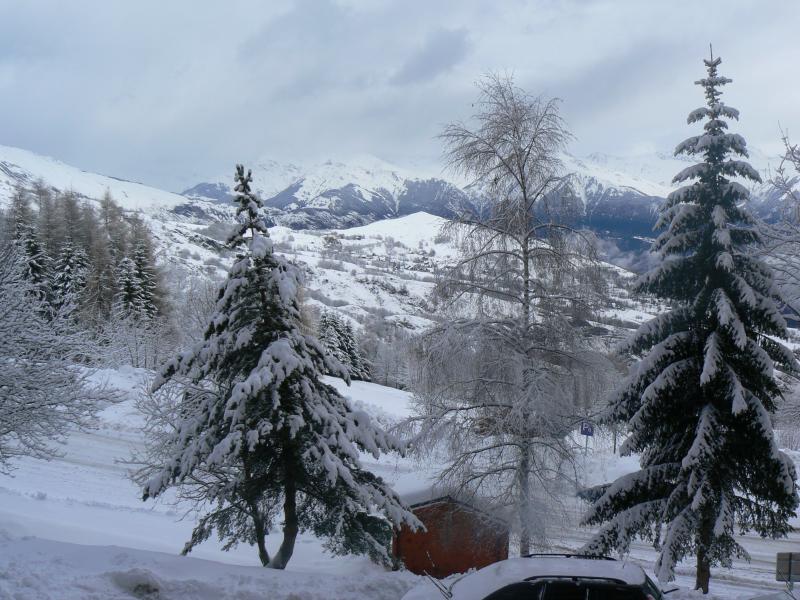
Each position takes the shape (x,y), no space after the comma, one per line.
(169,92)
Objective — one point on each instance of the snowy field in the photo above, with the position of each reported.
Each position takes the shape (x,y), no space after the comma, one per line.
(75,528)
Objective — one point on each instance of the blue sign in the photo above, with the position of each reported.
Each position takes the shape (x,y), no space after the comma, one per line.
(587,428)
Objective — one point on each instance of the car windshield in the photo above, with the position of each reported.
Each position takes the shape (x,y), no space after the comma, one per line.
(568,590)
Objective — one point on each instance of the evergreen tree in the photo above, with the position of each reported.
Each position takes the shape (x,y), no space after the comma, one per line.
(698,403)
(330,334)
(130,297)
(339,340)
(359,367)
(145,279)
(69,279)
(36,264)
(259,431)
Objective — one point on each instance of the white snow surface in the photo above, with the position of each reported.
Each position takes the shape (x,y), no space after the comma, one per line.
(75,527)
(16,164)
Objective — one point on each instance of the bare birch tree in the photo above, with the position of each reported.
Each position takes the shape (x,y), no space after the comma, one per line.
(782,237)
(494,384)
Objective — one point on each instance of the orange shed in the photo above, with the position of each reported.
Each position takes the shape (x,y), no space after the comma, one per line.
(459,537)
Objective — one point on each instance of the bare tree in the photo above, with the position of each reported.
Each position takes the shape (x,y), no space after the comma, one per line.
(782,237)
(496,382)
(44,391)
(787,176)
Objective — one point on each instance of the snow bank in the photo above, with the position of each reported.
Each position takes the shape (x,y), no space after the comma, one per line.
(32,568)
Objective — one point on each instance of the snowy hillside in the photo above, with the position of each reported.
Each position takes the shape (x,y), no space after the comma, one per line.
(20,167)
(384,268)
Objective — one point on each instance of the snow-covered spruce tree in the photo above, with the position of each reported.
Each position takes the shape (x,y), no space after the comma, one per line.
(359,366)
(146,279)
(698,402)
(37,265)
(493,383)
(259,432)
(69,278)
(330,334)
(338,338)
(130,296)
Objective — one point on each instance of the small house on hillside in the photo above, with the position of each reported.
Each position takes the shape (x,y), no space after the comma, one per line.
(459,537)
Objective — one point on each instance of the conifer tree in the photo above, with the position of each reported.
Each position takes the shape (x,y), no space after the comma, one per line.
(699,400)
(69,279)
(43,397)
(259,432)
(36,264)
(340,341)
(145,279)
(330,334)
(130,298)
(359,367)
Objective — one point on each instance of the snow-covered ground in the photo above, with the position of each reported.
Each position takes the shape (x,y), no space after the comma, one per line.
(75,527)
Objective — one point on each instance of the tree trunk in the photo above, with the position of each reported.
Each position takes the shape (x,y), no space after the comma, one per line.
(703,573)
(259,527)
(261,539)
(523,478)
(290,525)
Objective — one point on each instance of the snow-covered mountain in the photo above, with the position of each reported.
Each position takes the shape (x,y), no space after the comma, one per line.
(619,195)
(335,194)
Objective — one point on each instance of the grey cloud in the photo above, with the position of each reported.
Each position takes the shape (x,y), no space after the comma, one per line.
(168,93)
(442,50)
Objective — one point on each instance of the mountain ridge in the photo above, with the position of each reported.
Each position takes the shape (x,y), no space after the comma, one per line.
(619,196)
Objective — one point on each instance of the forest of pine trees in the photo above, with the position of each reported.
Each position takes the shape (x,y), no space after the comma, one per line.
(85,261)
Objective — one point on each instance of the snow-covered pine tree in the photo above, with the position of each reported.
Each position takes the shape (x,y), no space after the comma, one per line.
(36,264)
(69,279)
(330,333)
(359,367)
(338,338)
(259,432)
(130,297)
(146,279)
(698,402)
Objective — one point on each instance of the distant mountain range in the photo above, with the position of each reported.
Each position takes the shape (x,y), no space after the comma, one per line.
(619,195)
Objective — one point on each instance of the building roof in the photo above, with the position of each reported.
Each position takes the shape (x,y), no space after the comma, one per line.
(462,504)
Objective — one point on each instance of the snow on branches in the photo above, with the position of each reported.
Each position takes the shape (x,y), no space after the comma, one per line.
(698,402)
(259,432)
